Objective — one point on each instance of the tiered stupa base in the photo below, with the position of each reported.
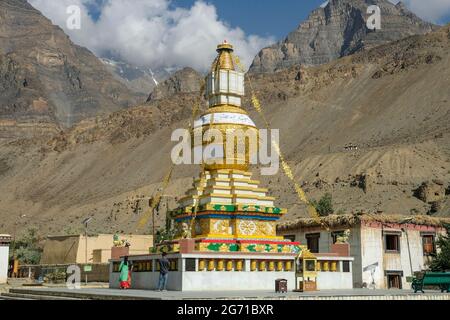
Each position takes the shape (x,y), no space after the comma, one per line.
(226,211)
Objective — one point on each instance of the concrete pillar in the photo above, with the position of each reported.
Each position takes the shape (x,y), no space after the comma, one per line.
(181,264)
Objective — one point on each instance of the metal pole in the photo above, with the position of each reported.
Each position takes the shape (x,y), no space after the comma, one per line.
(86,250)
(14,241)
(153,227)
(409,251)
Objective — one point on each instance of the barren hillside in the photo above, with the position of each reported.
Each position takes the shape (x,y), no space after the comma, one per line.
(46,81)
(391,102)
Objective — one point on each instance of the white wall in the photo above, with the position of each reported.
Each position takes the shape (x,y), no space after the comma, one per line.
(334,280)
(326,241)
(210,280)
(235,281)
(148,281)
(367,248)
(4,260)
(371,252)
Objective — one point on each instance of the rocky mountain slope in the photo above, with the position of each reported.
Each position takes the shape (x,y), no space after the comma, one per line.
(45,79)
(186,80)
(373,129)
(337,29)
(140,80)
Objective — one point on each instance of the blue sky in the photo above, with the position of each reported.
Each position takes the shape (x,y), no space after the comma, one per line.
(279,17)
(262,17)
(179,33)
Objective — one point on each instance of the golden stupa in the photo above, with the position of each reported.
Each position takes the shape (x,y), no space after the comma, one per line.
(225,210)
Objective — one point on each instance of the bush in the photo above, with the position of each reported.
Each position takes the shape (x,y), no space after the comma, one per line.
(324,206)
(27,249)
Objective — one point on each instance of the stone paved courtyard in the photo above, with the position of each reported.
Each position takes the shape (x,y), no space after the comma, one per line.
(355,294)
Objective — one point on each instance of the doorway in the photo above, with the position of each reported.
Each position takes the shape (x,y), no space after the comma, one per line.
(394,281)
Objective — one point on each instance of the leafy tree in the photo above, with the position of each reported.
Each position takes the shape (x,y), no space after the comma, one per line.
(27,248)
(324,206)
(162,235)
(165,235)
(441,261)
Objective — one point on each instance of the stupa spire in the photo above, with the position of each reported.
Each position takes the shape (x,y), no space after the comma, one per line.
(225,84)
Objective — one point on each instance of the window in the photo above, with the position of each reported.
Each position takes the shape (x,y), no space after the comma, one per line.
(312,241)
(392,243)
(190,265)
(310,265)
(429,247)
(346,266)
(290,238)
(335,235)
(394,279)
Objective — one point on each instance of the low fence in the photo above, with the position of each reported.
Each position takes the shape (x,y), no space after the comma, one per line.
(58,273)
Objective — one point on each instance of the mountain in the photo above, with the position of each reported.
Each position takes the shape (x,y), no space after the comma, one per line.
(186,80)
(46,78)
(372,129)
(140,80)
(336,29)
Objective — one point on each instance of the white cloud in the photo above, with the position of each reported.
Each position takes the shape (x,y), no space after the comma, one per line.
(430,10)
(154,33)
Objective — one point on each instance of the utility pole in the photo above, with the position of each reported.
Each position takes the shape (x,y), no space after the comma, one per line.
(156,210)
(85,222)
(409,250)
(153,229)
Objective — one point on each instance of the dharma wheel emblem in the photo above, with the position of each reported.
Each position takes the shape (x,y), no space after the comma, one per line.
(247,228)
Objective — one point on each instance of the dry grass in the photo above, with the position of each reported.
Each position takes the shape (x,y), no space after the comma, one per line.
(349,220)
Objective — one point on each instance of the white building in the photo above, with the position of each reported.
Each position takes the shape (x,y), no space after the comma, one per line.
(387,250)
(5,241)
(210,271)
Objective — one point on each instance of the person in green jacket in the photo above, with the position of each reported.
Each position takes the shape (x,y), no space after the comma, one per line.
(125,274)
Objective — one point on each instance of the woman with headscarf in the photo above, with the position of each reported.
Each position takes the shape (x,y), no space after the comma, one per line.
(125,274)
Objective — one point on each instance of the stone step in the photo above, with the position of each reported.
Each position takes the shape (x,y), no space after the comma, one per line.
(76,295)
(19,280)
(26,296)
(7,296)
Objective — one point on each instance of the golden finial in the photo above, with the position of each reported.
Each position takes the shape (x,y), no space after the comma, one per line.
(224,60)
(225,46)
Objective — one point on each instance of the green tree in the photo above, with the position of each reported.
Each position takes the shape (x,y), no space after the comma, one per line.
(162,235)
(27,248)
(441,261)
(165,235)
(324,206)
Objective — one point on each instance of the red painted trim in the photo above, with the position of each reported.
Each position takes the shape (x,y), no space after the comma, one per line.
(223,213)
(408,226)
(270,242)
(250,242)
(217,241)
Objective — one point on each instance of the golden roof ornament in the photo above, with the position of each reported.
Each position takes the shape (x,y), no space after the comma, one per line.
(224,91)
(224,60)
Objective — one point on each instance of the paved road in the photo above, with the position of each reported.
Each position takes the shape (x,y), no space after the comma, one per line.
(247,295)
